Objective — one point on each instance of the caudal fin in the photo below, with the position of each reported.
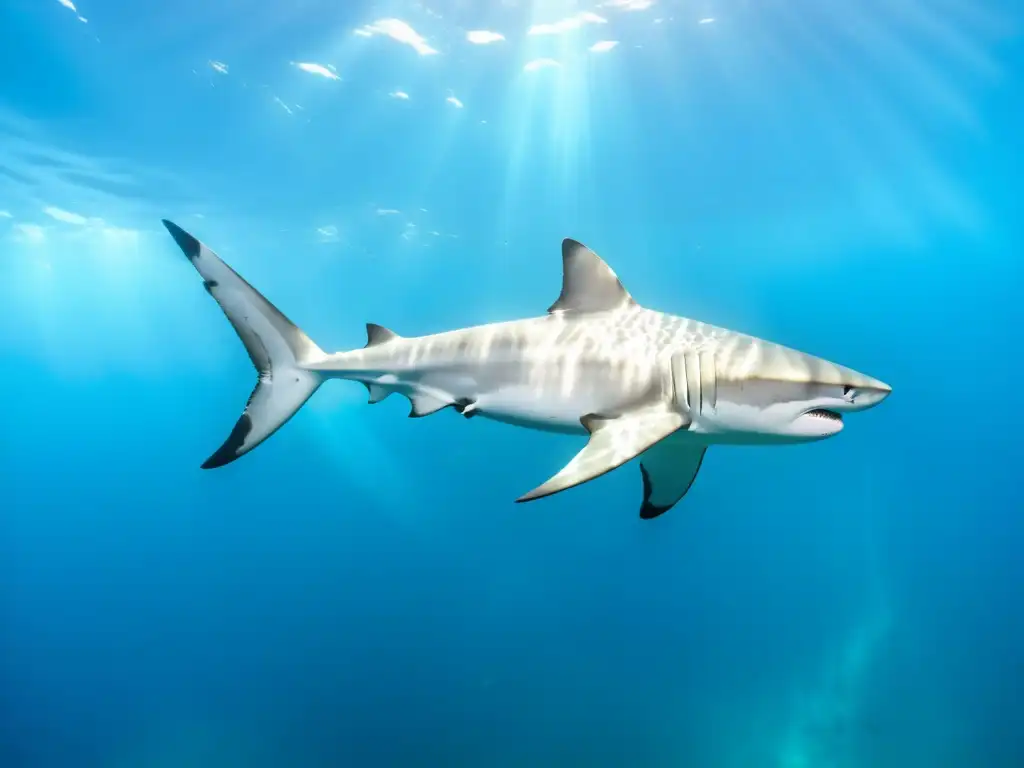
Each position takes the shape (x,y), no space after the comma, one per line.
(280,351)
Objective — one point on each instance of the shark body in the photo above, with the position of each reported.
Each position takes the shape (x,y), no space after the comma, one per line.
(635,381)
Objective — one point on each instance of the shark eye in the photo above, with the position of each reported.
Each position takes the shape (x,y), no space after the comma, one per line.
(848,392)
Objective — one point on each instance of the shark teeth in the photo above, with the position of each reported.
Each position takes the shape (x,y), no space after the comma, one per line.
(821,413)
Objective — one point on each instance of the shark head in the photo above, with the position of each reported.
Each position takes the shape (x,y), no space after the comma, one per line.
(785,397)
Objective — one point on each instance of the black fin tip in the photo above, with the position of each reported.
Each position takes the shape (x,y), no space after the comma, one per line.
(188,244)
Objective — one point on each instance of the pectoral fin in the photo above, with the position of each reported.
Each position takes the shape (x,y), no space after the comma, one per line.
(612,443)
(668,470)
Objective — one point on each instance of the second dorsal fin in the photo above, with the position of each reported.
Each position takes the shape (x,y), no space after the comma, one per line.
(378,334)
(588,284)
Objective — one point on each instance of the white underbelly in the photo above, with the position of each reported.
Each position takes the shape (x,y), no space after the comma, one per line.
(523,406)
(551,394)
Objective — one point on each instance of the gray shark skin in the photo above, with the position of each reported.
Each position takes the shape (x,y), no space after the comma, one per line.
(635,381)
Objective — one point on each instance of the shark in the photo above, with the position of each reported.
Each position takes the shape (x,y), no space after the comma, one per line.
(635,382)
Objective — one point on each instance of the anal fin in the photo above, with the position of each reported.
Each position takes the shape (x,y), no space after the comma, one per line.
(612,443)
(377,392)
(426,403)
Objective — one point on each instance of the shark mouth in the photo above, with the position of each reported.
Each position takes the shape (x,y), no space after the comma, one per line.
(821,413)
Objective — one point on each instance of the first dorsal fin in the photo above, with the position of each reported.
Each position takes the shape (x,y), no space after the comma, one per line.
(378,334)
(588,284)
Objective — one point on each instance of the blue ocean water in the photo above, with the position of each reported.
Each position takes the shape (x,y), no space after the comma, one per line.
(843,178)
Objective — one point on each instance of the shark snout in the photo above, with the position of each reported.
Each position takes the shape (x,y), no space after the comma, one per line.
(869,395)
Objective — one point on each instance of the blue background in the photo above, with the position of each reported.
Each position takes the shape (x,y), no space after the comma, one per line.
(843,178)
